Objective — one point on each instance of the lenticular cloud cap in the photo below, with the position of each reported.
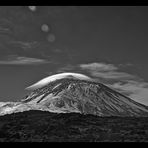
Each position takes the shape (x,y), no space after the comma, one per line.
(55,77)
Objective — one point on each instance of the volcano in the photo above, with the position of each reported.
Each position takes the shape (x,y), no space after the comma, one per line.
(75,93)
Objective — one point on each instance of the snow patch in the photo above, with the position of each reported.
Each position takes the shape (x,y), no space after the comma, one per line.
(56,86)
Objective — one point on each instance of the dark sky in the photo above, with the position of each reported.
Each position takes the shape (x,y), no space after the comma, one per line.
(79,39)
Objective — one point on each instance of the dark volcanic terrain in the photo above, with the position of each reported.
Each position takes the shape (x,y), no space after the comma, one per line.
(42,126)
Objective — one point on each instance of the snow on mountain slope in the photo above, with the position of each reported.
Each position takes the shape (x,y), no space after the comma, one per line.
(55,77)
(73,93)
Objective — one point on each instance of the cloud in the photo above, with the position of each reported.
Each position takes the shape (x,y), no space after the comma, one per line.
(20,60)
(25,45)
(106,71)
(98,66)
(134,89)
(126,83)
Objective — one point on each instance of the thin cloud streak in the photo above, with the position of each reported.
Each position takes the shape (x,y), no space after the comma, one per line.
(25,45)
(18,60)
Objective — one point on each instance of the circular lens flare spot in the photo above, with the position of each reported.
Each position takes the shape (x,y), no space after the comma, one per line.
(51,38)
(45,28)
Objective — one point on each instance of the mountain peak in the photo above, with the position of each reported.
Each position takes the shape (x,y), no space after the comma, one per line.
(71,92)
(74,95)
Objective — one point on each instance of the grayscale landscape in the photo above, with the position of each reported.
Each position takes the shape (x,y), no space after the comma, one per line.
(73,74)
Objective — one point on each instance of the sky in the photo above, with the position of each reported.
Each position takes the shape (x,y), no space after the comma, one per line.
(107,43)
